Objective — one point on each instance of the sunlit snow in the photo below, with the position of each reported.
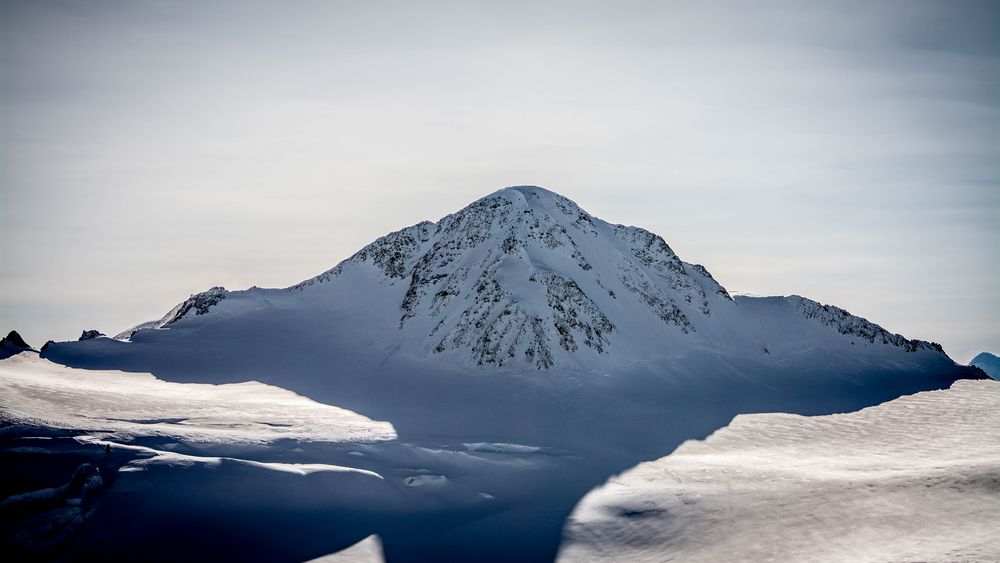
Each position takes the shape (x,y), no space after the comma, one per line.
(915,479)
(136,404)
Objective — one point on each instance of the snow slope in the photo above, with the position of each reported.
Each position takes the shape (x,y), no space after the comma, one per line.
(124,405)
(915,479)
(103,464)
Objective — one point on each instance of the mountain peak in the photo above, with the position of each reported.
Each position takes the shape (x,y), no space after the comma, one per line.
(535,196)
(527,192)
(989,363)
(12,344)
(525,275)
(14,339)
(533,199)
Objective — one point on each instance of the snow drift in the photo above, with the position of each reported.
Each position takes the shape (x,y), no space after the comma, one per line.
(914,479)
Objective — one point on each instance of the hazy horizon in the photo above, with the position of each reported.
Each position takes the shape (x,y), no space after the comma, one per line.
(848,153)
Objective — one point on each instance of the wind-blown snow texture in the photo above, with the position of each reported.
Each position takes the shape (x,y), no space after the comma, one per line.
(914,479)
(522,350)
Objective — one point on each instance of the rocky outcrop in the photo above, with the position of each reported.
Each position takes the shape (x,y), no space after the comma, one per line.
(90,334)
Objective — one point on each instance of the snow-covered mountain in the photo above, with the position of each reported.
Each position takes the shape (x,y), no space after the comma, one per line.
(525,278)
(523,282)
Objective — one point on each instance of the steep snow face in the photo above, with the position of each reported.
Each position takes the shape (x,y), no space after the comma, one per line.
(526,278)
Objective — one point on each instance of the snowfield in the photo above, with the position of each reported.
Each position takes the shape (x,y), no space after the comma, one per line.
(124,405)
(915,479)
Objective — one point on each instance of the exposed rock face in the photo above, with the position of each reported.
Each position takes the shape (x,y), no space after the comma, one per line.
(199,303)
(90,334)
(850,325)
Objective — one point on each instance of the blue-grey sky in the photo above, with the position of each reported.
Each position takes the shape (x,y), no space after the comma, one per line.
(845,151)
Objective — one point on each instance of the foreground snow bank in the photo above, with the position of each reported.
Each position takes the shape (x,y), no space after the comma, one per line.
(368,550)
(917,478)
(132,404)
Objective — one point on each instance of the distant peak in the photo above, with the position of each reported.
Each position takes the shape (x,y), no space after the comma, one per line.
(90,334)
(989,363)
(984,356)
(14,339)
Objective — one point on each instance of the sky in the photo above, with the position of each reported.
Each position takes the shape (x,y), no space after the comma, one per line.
(844,151)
